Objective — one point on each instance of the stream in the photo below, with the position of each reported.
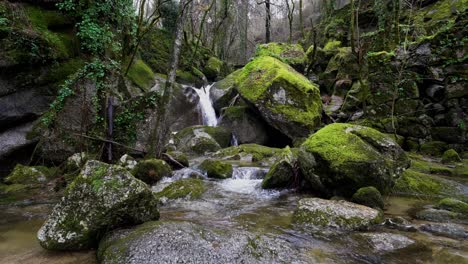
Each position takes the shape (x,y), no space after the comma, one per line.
(239,203)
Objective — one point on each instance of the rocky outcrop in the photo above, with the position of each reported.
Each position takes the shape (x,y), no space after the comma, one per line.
(350,157)
(335,214)
(101,198)
(291,54)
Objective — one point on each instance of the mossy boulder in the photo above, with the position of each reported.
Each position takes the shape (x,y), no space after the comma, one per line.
(368,196)
(215,68)
(245,125)
(285,99)
(152,170)
(182,189)
(281,174)
(101,198)
(433,148)
(249,152)
(453,205)
(335,214)
(350,157)
(141,75)
(202,139)
(450,156)
(291,54)
(30,175)
(216,169)
(176,159)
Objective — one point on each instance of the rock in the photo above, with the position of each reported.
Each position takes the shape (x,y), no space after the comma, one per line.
(127,162)
(15,139)
(250,153)
(454,135)
(351,156)
(292,54)
(151,171)
(450,156)
(215,68)
(453,205)
(368,196)
(76,161)
(216,169)
(456,90)
(177,156)
(400,223)
(202,139)
(223,92)
(437,215)
(386,242)
(245,125)
(30,176)
(433,148)
(281,174)
(446,230)
(335,214)
(182,189)
(101,198)
(285,99)
(187,242)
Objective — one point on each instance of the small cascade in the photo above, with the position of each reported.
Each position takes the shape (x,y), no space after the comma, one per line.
(234,141)
(249,173)
(206,106)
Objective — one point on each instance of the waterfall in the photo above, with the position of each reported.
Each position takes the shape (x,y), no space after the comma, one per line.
(206,106)
(234,141)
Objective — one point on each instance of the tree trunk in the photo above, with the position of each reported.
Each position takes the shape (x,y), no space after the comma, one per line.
(267,21)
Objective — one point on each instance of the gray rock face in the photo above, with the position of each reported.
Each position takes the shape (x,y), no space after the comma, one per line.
(335,214)
(185,242)
(245,125)
(101,198)
(384,242)
(14,139)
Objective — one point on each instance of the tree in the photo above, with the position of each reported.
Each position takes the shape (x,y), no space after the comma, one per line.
(267,4)
(290,5)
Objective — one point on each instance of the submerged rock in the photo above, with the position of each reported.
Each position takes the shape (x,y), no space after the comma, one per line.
(385,242)
(216,169)
(286,100)
(152,170)
(335,214)
(101,198)
(350,157)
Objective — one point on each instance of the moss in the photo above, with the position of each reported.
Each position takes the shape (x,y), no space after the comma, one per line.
(228,82)
(61,71)
(433,148)
(141,75)
(368,196)
(179,157)
(453,205)
(151,171)
(30,175)
(281,174)
(185,188)
(214,68)
(461,170)
(332,45)
(219,134)
(431,17)
(216,169)
(258,152)
(292,54)
(450,156)
(255,82)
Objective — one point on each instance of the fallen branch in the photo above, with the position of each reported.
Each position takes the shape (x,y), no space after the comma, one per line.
(171,159)
(110,141)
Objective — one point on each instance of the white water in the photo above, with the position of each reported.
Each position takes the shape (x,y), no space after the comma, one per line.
(248,180)
(206,106)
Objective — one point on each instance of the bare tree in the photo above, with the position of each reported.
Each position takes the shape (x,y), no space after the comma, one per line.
(290,6)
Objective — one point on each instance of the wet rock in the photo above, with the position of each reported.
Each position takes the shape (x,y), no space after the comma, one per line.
(223,92)
(127,161)
(30,175)
(285,99)
(15,139)
(176,159)
(282,173)
(185,242)
(216,169)
(437,215)
(101,198)
(245,125)
(151,171)
(202,139)
(446,230)
(450,156)
(368,196)
(453,205)
(350,157)
(335,214)
(291,54)
(249,152)
(215,68)
(400,223)
(386,242)
(182,189)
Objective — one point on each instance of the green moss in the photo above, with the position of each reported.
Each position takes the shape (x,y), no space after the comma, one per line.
(141,75)
(151,171)
(332,45)
(214,68)
(292,54)
(258,152)
(453,205)
(461,170)
(450,156)
(185,188)
(368,196)
(281,174)
(30,175)
(61,71)
(257,77)
(216,169)
(179,157)
(433,148)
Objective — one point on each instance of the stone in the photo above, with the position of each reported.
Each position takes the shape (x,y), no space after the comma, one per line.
(152,170)
(368,196)
(176,159)
(202,139)
(216,169)
(127,161)
(182,189)
(291,54)
(450,156)
(335,214)
(447,230)
(386,242)
(103,197)
(281,174)
(433,148)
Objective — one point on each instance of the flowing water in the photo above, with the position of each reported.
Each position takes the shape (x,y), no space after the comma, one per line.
(206,106)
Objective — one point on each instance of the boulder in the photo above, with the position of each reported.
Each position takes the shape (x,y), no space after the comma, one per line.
(245,125)
(368,196)
(285,99)
(30,176)
(152,170)
(453,205)
(15,139)
(202,139)
(215,68)
(350,157)
(450,156)
(250,153)
(282,173)
(176,159)
(335,214)
(223,92)
(446,230)
(291,54)
(216,169)
(182,189)
(386,242)
(127,161)
(101,198)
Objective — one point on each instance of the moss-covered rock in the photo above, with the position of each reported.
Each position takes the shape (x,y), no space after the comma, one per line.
(368,196)
(335,214)
(216,169)
(433,148)
(184,188)
(453,205)
(100,199)
(30,176)
(180,157)
(285,99)
(202,139)
(215,68)
(350,157)
(291,54)
(141,75)
(223,92)
(249,152)
(281,174)
(151,171)
(450,156)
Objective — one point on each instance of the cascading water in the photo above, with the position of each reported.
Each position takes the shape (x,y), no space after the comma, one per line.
(206,106)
